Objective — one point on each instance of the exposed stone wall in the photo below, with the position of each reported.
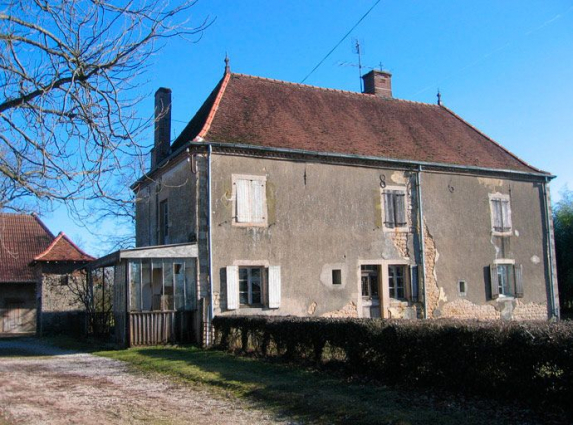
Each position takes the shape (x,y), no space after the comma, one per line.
(59,292)
(464,309)
(348,311)
(529,311)
(431,255)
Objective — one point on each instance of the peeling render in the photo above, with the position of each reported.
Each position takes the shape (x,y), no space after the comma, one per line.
(432,290)
(348,311)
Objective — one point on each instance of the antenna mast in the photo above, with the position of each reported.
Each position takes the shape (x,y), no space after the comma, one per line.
(357,46)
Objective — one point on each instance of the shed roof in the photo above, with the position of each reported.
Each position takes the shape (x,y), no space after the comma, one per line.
(23,237)
(249,110)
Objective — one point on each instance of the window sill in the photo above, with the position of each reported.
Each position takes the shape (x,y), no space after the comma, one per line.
(249,224)
(497,233)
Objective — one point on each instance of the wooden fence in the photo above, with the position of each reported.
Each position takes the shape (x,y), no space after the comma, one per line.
(152,327)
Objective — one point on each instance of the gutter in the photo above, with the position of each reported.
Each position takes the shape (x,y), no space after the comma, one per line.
(422,271)
(554,308)
(209,220)
(375,160)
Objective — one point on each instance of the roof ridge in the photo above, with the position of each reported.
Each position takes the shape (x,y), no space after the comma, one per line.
(41,223)
(490,139)
(58,238)
(214,108)
(350,92)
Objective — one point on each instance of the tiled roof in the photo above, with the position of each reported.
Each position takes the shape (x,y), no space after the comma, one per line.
(63,249)
(257,111)
(22,238)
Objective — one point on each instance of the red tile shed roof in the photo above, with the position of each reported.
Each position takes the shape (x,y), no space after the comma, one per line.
(62,249)
(258,111)
(22,238)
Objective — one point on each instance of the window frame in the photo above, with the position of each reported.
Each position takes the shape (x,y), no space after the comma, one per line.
(163,222)
(504,213)
(513,277)
(235,219)
(394,190)
(249,292)
(393,290)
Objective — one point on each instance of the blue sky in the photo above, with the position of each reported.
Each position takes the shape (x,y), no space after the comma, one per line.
(504,66)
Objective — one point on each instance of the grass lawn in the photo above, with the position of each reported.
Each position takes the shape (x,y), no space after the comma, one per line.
(310,396)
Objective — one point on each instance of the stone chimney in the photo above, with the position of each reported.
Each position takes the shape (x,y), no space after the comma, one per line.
(378,83)
(162,138)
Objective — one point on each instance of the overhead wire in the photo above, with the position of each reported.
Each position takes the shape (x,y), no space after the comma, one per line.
(341,40)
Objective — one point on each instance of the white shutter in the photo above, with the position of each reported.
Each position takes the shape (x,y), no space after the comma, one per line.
(518,273)
(274,286)
(257,198)
(506,215)
(232,287)
(496,210)
(242,201)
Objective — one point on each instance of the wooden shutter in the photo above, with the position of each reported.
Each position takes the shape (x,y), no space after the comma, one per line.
(497,215)
(493,280)
(257,201)
(242,201)
(505,215)
(389,208)
(274,286)
(232,287)
(517,273)
(400,208)
(414,284)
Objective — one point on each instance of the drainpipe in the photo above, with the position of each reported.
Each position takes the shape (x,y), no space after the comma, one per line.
(209,219)
(421,270)
(549,232)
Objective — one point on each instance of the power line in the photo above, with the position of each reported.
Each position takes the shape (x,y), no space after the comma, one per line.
(341,40)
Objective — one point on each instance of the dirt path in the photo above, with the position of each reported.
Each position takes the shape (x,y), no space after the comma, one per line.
(51,386)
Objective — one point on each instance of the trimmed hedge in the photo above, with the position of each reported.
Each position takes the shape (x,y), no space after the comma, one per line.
(530,361)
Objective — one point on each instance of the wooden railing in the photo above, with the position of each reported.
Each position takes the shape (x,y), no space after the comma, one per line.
(152,327)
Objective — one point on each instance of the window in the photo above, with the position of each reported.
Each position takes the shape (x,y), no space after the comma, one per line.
(394,208)
(506,280)
(163,222)
(253,286)
(396,282)
(462,288)
(500,213)
(250,283)
(250,207)
(337,277)
(369,281)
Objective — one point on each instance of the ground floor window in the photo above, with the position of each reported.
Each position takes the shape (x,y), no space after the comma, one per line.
(397,282)
(369,276)
(250,285)
(506,280)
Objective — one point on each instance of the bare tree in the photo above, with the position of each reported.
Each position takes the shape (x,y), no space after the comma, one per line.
(69,85)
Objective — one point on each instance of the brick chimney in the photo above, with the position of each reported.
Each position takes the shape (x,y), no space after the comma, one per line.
(162,140)
(378,83)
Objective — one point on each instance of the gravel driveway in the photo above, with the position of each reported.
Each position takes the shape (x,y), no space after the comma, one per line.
(51,386)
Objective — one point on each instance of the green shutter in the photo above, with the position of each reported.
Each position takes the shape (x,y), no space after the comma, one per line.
(493,280)
(517,273)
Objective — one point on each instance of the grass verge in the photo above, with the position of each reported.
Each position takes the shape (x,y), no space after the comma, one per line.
(310,396)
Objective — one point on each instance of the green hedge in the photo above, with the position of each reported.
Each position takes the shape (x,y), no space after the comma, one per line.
(528,361)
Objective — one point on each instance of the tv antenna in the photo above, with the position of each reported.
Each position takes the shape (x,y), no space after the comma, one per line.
(359,53)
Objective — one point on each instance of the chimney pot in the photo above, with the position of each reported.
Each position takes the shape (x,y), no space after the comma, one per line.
(162,139)
(378,83)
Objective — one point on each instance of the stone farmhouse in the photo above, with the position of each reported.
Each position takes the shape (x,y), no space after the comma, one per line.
(287,199)
(39,273)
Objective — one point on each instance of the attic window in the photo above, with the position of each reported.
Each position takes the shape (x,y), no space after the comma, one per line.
(250,201)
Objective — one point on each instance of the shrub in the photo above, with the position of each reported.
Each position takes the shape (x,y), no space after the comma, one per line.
(528,361)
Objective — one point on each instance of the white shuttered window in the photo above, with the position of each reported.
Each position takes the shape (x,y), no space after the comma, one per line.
(394,208)
(500,213)
(250,200)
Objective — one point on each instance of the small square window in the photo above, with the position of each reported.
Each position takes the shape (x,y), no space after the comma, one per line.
(337,277)
(462,288)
